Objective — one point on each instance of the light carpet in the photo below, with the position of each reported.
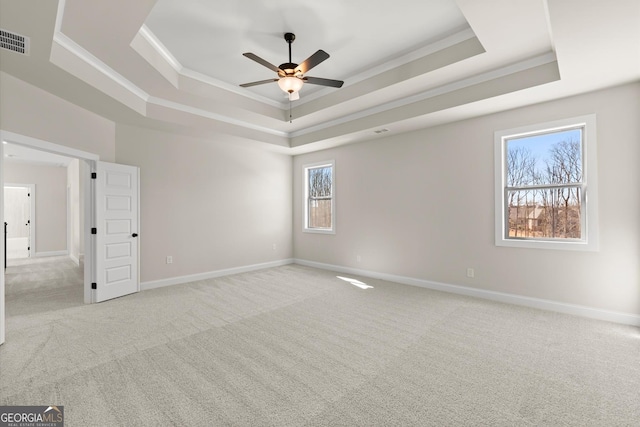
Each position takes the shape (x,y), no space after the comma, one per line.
(297,346)
(35,285)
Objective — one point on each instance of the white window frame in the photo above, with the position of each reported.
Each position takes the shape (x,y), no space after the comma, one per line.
(589,239)
(305,174)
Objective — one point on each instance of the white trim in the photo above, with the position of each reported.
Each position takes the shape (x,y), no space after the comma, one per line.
(69,219)
(70,46)
(211,115)
(138,229)
(2,253)
(305,177)
(432,47)
(153,284)
(59,15)
(590,174)
(50,253)
(159,47)
(39,144)
(75,260)
(187,73)
(179,71)
(89,206)
(89,159)
(459,36)
(94,62)
(538,303)
(508,70)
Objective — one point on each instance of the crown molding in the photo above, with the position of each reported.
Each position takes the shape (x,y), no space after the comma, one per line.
(72,57)
(214,116)
(527,64)
(149,47)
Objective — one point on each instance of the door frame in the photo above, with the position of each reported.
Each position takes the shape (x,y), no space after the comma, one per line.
(89,209)
(32,213)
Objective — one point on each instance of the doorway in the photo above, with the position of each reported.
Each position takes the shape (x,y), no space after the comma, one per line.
(19,213)
(41,275)
(88,160)
(108,187)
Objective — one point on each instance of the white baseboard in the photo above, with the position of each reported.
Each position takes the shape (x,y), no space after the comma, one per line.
(543,304)
(75,260)
(50,253)
(211,274)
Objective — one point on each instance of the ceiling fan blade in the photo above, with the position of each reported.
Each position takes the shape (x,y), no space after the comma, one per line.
(261,61)
(323,82)
(261,82)
(312,61)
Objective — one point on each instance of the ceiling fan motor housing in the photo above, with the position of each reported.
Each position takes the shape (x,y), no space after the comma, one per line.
(291,76)
(288,69)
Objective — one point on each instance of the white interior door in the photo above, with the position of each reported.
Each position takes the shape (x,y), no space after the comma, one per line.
(17,215)
(116,234)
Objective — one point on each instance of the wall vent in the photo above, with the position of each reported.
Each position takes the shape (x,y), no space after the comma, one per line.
(14,42)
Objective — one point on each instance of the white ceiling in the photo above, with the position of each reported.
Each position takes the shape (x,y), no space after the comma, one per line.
(208,37)
(177,65)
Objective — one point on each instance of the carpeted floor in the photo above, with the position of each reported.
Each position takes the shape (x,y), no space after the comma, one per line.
(36,285)
(296,346)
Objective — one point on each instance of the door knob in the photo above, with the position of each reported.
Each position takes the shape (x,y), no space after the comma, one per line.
(134,235)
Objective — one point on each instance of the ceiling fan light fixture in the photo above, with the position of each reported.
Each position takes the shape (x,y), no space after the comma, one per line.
(290,84)
(291,77)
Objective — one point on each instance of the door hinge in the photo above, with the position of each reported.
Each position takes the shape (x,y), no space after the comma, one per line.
(94,286)
(94,231)
(28,248)
(94,175)
(28,194)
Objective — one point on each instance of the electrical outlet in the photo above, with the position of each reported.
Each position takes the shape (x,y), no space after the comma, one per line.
(274,247)
(358,258)
(470,272)
(169,259)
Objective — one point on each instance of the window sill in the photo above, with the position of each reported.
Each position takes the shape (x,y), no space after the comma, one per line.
(577,245)
(318,231)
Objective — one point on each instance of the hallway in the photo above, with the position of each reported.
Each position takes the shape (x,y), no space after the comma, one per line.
(36,285)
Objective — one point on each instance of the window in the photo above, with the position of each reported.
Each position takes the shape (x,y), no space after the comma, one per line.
(546,189)
(319,197)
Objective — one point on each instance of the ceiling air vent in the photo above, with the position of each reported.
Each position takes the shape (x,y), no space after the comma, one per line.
(14,42)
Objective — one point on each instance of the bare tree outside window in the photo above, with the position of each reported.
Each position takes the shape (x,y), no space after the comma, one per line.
(544,185)
(521,172)
(320,197)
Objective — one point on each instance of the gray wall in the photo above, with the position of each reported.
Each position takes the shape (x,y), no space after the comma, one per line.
(210,204)
(51,202)
(421,205)
(417,205)
(30,111)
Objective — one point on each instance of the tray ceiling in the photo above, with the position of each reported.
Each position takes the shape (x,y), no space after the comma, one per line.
(406,64)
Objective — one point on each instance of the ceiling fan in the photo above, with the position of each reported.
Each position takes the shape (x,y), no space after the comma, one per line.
(291,76)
